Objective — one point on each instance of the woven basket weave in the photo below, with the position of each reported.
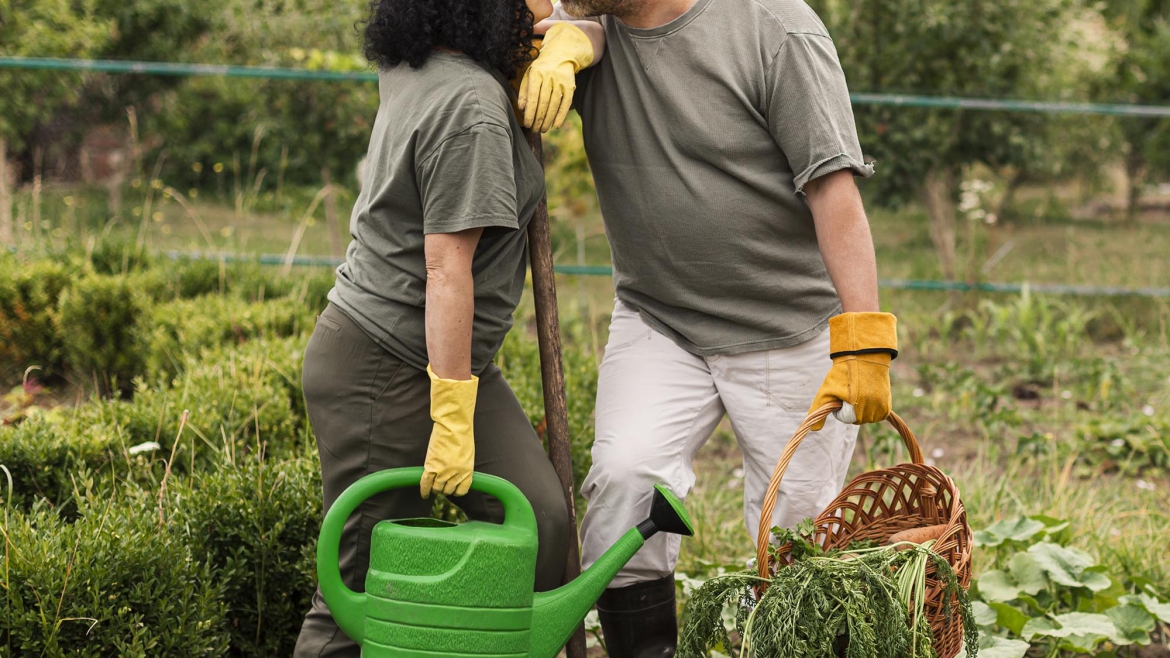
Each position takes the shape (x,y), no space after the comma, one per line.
(878,504)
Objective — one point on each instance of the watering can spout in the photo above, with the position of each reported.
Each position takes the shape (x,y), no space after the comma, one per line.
(556,614)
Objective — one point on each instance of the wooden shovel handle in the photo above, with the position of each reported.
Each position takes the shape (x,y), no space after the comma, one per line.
(764,536)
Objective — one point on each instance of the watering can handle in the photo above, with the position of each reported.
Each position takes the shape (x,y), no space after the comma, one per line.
(348,606)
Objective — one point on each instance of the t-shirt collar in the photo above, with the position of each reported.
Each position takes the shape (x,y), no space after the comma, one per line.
(669,28)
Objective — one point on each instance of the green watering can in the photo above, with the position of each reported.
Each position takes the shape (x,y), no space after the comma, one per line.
(438,589)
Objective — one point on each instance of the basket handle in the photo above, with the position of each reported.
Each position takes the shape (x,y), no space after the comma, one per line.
(764,536)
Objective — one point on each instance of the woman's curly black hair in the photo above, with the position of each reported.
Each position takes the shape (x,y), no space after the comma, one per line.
(497,33)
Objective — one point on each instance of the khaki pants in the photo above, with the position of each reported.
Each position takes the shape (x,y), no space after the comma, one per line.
(370,411)
(657,404)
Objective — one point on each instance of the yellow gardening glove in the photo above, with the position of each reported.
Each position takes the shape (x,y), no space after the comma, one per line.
(861,346)
(451,452)
(546,90)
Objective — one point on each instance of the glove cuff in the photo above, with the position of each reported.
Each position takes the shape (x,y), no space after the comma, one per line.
(450,397)
(573,41)
(853,334)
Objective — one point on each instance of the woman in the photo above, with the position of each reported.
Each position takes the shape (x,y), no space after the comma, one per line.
(399,369)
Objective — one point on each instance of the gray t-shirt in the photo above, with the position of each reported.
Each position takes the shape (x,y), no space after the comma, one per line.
(446,154)
(701,134)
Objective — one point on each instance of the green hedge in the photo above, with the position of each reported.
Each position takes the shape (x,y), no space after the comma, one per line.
(243,401)
(28,303)
(107,584)
(224,567)
(98,318)
(188,326)
(256,524)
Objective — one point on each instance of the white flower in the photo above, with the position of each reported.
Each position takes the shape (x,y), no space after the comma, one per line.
(1117,443)
(918,393)
(1148,410)
(1067,395)
(1146,486)
(937,453)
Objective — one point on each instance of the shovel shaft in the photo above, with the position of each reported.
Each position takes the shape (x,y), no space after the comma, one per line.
(552,375)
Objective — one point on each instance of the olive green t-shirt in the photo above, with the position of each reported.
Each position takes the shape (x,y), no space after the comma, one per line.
(446,154)
(701,134)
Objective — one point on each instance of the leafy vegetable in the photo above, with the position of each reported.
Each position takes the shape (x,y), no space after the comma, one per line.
(860,602)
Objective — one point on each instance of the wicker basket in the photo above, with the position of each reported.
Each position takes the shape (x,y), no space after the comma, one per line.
(878,504)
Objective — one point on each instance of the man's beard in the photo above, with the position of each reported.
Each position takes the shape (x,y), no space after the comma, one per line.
(619,8)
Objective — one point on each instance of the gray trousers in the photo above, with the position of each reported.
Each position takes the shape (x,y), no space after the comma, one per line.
(371,411)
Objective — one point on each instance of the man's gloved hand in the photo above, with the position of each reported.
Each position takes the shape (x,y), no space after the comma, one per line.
(546,90)
(451,452)
(861,346)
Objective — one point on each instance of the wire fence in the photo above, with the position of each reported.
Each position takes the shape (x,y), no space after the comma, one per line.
(277,73)
(607,271)
(936,102)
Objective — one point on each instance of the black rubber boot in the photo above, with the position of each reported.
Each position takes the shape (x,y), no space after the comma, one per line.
(639,621)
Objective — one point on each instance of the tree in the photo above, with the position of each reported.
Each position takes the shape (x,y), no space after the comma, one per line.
(39,28)
(1141,75)
(974,48)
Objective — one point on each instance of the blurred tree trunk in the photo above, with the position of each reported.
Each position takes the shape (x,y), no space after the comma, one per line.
(937,194)
(1135,174)
(331,215)
(6,239)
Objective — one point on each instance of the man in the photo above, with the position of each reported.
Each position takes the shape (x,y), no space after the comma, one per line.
(723,149)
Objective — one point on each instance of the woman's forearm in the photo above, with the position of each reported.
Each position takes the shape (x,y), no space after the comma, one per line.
(450,302)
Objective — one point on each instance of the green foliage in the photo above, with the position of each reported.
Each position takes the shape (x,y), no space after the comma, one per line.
(28,303)
(1044,593)
(43,28)
(519,359)
(99,319)
(118,257)
(43,457)
(108,583)
(1141,74)
(255,524)
(941,48)
(185,327)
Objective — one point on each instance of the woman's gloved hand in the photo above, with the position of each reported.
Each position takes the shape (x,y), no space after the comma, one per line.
(451,452)
(546,90)
(862,345)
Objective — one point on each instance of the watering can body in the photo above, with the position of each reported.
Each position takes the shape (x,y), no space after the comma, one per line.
(439,589)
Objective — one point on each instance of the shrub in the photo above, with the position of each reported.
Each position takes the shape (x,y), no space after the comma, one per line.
(108,584)
(239,404)
(255,524)
(187,327)
(28,302)
(519,359)
(98,318)
(118,257)
(42,454)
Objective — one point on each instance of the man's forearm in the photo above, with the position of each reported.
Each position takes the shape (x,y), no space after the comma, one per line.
(845,240)
(592,29)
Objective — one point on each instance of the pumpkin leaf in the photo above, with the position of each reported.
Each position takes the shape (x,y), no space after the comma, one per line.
(1021,529)
(1009,617)
(1028,573)
(1069,567)
(997,587)
(1133,622)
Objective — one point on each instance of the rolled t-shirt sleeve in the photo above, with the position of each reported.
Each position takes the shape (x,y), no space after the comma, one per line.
(468,181)
(808,109)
